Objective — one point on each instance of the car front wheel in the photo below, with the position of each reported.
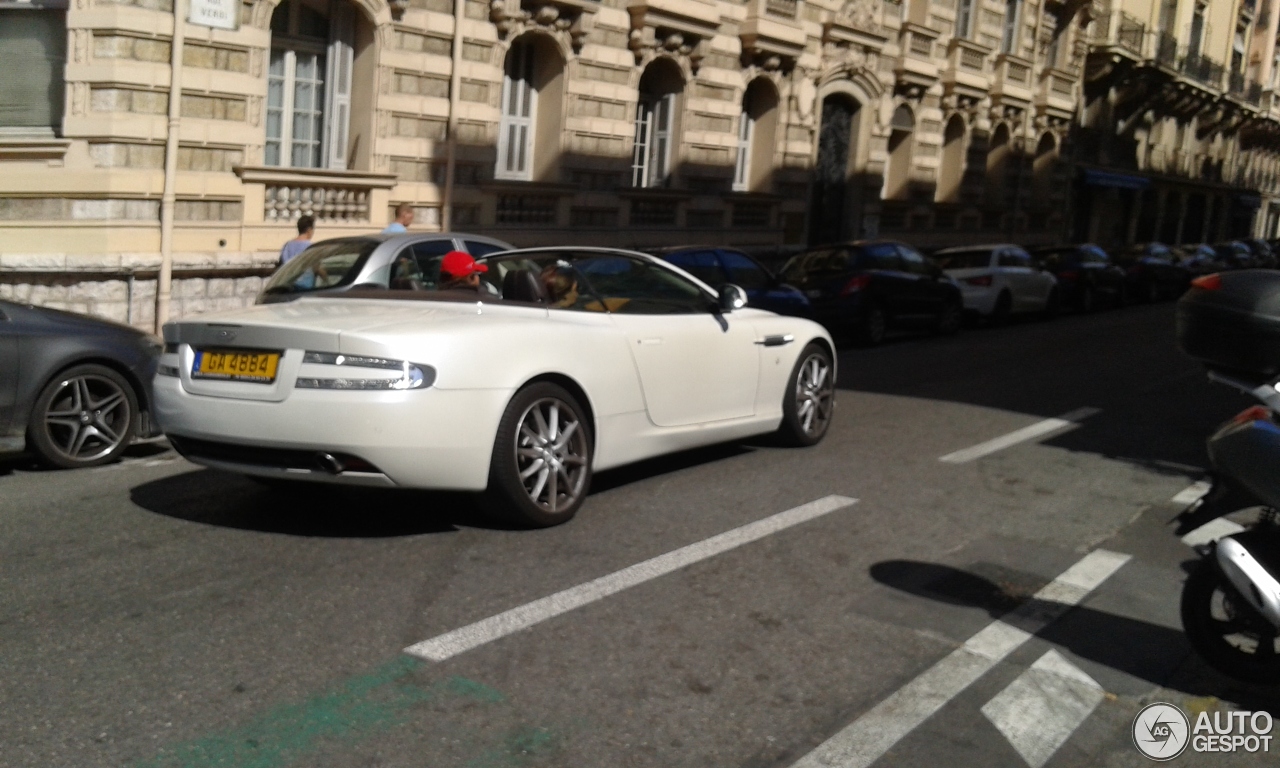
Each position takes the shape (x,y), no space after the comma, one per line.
(84,417)
(810,398)
(540,470)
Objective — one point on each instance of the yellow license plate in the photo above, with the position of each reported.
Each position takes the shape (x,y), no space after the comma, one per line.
(239,365)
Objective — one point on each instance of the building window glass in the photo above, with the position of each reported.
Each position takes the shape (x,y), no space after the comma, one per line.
(655,125)
(964,18)
(309,85)
(1009,40)
(519,105)
(31,94)
(1197,31)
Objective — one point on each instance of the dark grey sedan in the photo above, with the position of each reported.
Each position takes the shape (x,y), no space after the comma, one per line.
(74,390)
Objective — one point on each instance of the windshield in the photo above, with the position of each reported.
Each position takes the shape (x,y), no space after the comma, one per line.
(323,265)
(823,260)
(969,259)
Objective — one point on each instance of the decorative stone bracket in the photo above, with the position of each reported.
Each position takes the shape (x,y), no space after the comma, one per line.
(680,28)
(570,21)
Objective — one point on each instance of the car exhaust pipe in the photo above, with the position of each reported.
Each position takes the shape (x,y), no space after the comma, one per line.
(329,463)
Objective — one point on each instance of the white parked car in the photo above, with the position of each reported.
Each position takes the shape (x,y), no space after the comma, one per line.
(999,280)
(568,360)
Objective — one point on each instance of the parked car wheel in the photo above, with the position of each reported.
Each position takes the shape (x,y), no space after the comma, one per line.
(1151,292)
(810,398)
(84,416)
(874,326)
(1004,305)
(1086,301)
(1052,305)
(541,467)
(950,318)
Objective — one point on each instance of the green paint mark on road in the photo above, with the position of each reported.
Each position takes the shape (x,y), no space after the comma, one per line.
(520,747)
(356,708)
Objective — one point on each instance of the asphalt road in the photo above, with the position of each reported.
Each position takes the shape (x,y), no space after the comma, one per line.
(154,613)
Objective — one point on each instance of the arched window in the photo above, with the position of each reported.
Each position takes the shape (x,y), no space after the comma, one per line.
(1042,169)
(997,165)
(900,145)
(951,173)
(657,124)
(532,92)
(834,210)
(756,136)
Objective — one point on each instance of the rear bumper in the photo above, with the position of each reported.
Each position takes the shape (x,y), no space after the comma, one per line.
(980,299)
(436,439)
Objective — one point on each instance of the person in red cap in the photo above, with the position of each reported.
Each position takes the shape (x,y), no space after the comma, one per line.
(458,271)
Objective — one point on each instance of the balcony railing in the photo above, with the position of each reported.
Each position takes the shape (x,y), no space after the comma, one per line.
(1203,70)
(1235,84)
(1131,33)
(785,9)
(1253,93)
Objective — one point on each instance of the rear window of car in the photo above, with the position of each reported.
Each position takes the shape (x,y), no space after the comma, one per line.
(324,265)
(878,256)
(822,260)
(966,259)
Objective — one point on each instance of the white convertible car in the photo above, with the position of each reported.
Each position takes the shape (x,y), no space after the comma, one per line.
(567,360)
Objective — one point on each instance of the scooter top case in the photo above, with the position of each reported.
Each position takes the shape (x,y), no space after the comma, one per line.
(1246,454)
(1231,322)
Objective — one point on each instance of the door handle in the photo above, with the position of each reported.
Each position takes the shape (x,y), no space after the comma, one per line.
(776,341)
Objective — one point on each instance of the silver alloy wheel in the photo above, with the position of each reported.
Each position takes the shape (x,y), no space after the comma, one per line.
(551,454)
(815,394)
(88,417)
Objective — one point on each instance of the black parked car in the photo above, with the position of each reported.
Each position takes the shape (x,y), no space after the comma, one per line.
(869,286)
(1235,254)
(1263,254)
(1153,272)
(74,390)
(1199,259)
(1086,276)
(717,266)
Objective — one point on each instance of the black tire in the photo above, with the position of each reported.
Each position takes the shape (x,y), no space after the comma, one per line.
(1151,294)
(871,331)
(1206,593)
(809,400)
(85,416)
(1003,308)
(1052,305)
(1122,296)
(516,451)
(950,318)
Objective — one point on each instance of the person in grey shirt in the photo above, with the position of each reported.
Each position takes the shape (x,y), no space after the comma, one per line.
(306,229)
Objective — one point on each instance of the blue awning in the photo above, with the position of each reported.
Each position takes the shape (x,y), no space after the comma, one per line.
(1121,180)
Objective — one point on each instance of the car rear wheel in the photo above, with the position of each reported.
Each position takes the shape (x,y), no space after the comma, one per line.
(810,398)
(1052,305)
(541,466)
(950,318)
(1004,305)
(1085,303)
(84,417)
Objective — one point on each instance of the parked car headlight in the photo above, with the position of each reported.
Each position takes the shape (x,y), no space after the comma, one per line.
(412,375)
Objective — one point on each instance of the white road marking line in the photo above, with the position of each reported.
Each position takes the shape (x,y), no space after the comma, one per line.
(1040,710)
(1211,531)
(460,640)
(1039,429)
(866,739)
(1192,493)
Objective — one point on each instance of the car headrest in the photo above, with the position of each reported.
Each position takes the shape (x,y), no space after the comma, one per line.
(523,285)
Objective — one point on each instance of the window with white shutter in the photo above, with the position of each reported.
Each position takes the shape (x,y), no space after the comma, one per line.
(309,84)
(519,110)
(742,167)
(34,45)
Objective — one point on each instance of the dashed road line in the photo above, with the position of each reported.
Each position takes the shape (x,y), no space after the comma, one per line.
(1040,709)
(866,739)
(1210,531)
(1192,493)
(461,640)
(1039,429)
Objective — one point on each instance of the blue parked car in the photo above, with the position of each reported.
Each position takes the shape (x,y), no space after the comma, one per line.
(716,266)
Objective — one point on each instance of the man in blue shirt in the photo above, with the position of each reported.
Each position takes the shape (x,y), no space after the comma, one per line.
(404,218)
(306,229)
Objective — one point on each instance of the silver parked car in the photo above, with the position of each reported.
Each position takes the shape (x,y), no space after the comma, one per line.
(408,261)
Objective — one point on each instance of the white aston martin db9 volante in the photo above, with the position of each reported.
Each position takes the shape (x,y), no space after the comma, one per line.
(565,361)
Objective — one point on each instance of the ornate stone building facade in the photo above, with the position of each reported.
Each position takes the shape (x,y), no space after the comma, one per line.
(607,122)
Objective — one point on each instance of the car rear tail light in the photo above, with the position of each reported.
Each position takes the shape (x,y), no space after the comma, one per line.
(857,283)
(984,280)
(1208,282)
(1068,275)
(1134,269)
(1255,413)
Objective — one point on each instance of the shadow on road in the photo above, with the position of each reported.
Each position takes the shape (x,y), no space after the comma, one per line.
(1157,405)
(232,501)
(1151,652)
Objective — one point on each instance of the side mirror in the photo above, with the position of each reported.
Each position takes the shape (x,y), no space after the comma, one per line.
(731,297)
